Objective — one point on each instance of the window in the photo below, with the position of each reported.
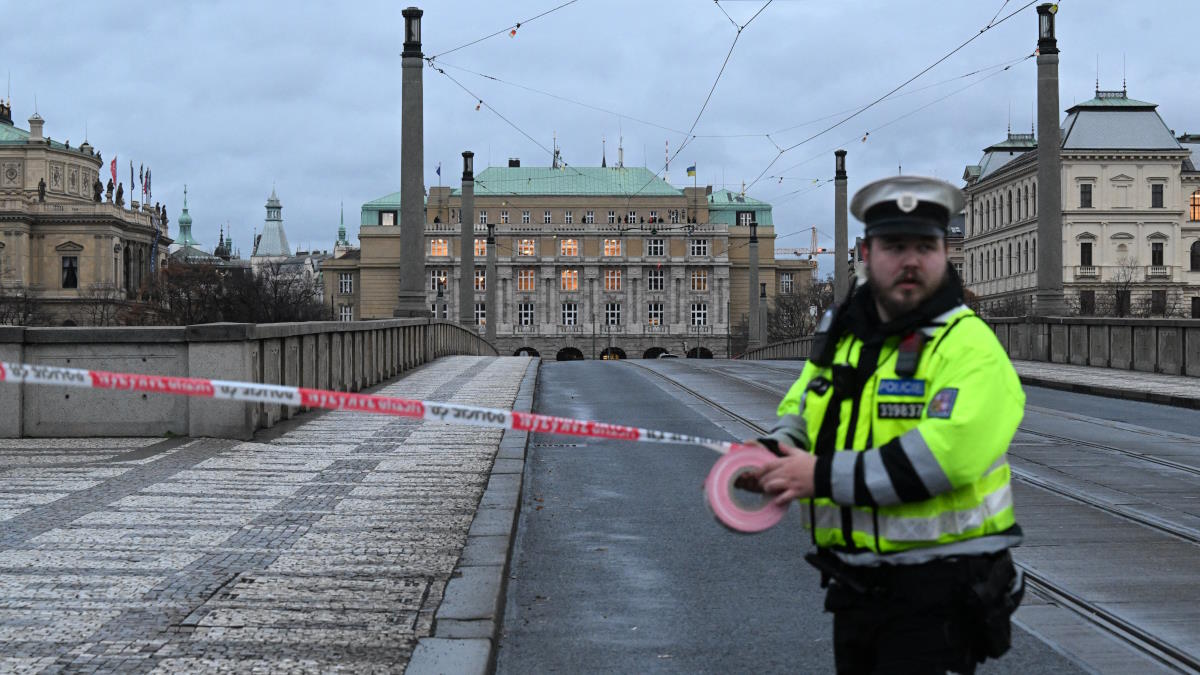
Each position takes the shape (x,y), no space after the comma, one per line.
(1158,302)
(480,314)
(654,280)
(698,247)
(480,248)
(570,313)
(387,218)
(654,216)
(438,247)
(1085,196)
(434,310)
(1196,256)
(1194,203)
(568,247)
(1156,196)
(744,218)
(589,217)
(632,217)
(437,277)
(612,280)
(525,314)
(345,283)
(569,217)
(1085,253)
(674,216)
(1087,303)
(346,313)
(525,216)
(785,283)
(483,217)
(612,247)
(612,314)
(699,314)
(699,280)
(612,217)
(70,271)
(655,247)
(570,280)
(1156,253)
(546,217)
(526,280)
(526,247)
(480,279)
(654,314)
(504,216)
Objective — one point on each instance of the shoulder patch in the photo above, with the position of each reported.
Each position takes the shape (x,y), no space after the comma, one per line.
(942,403)
(902,387)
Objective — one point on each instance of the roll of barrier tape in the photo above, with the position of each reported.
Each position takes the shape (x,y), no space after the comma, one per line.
(726,502)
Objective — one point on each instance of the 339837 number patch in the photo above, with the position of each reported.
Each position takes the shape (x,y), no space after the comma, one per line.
(906,411)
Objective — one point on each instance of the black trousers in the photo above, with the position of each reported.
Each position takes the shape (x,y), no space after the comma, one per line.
(915,619)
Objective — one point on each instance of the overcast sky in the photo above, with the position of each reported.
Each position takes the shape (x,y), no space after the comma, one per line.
(234,97)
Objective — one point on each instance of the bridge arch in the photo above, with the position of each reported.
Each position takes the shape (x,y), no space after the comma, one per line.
(653,352)
(526,351)
(699,353)
(569,354)
(613,354)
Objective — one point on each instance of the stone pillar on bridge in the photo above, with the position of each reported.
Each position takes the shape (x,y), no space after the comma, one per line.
(763,337)
(841,234)
(752,314)
(1049,298)
(490,283)
(466,287)
(411,300)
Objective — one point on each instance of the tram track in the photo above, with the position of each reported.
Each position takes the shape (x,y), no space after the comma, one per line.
(1142,641)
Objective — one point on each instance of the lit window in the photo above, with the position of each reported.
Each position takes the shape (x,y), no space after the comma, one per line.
(656,247)
(655,280)
(568,217)
(346,313)
(785,283)
(525,314)
(345,283)
(612,217)
(570,313)
(612,314)
(698,247)
(387,218)
(674,216)
(654,314)
(589,217)
(525,247)
(526,281)
(699,314)
(612,247)
(504,216)
(480,314)
(481,247)
(612,280)
(1195,206)
(546,217)
(570,280)
(483,217)
(437,277)
(438,247)
(744,218)
(699,280)
(480,279)
(525,216)
(568,247)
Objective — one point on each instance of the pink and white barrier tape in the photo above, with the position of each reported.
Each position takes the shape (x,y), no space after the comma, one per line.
(718,489)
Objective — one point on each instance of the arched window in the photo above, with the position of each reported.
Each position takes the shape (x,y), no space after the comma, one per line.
(1034,200)
(1010,260)
(1034,257)
(1195,254)
(1009,219)
(1194,212)
(1025,258)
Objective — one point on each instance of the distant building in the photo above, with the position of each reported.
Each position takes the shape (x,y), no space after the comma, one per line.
(1130,215)
(64,244)
(591,261)
(271,246)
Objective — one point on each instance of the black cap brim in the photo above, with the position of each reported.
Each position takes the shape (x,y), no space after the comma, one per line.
(917,227)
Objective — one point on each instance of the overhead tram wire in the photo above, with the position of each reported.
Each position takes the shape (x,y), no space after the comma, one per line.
(502,31)
(872,104)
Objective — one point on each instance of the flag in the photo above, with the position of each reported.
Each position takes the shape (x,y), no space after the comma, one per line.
(142,178)
(148,183)
(131,180)
(439,170)
(691,170)
(113,168)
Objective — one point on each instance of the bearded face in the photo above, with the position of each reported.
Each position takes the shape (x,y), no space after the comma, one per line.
(903,271)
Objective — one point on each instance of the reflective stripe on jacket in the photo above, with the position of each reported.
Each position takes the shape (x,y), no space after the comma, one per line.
(907,463)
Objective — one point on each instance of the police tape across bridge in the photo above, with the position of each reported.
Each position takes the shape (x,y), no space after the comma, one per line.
(719,490)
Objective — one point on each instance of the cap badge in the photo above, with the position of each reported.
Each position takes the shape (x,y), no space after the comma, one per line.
(907,202)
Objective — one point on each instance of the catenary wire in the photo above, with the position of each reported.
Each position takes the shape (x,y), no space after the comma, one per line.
(503,30)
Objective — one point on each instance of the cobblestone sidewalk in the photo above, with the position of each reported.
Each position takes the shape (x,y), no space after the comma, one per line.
(326,548)
(1179,390)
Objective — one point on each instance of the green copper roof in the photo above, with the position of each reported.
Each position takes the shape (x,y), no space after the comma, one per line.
(723,206)
(571,181)
(1112,99)
(11,134)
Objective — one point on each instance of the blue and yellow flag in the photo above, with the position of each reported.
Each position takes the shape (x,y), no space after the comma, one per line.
(691,170)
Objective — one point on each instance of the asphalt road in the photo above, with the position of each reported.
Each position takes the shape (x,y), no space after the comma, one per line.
(618,567)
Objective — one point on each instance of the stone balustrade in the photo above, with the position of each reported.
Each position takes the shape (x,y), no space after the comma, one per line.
(796,348)
(1169,346)
(343,356)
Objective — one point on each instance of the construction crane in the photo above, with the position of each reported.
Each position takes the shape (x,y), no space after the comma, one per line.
(812,249)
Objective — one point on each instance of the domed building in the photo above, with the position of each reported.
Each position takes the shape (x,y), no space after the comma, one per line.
(69,255)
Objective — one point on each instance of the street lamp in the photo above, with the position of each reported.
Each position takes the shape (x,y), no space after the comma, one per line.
(1047,44)
(412,30)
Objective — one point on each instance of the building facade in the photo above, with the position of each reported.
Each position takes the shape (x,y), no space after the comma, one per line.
(592,262)
(1130,215)
(70,253)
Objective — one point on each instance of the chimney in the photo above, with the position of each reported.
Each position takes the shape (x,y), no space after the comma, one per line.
(35,128)
(514,162)
(6,113)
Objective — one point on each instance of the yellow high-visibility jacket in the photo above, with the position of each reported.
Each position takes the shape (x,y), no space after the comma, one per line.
(909,469)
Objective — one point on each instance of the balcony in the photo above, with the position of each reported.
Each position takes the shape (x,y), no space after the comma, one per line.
(525,329)
(656,329)
(570,329)
(612,329)
(1157,271)
(1086,271)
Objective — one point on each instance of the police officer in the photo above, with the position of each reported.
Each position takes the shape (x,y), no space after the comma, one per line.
(894,441)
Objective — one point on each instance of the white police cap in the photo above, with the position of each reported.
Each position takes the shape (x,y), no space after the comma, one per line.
(906,205)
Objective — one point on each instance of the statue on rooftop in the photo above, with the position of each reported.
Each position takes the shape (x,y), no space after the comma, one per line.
(109,192)
(120,194)
(97,188)
(41,189)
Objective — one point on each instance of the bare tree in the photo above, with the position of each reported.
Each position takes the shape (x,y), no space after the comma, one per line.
(275,294)
(103,305)
(1116,298)
(797,314)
